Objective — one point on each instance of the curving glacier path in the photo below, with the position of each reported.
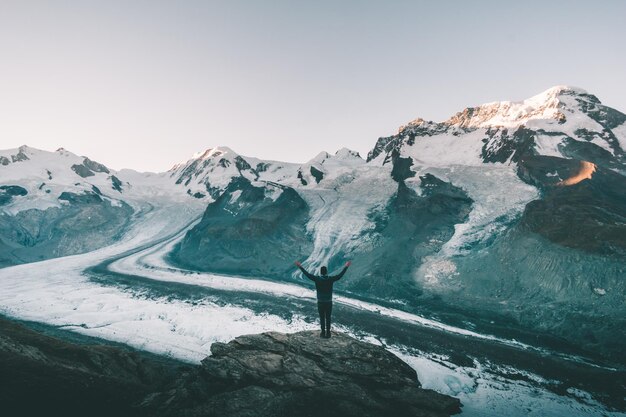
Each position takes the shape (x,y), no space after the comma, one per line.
(127,292)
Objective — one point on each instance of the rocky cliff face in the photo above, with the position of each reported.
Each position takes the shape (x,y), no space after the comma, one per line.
(300,374)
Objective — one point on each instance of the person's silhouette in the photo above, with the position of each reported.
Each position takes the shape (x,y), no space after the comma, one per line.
(324,286)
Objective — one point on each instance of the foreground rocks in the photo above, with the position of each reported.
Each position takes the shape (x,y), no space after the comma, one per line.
(42,375)
(270,374)
(275,374)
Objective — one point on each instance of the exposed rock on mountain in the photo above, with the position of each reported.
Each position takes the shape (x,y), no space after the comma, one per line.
(583,206)
(413,226)
(84,223)
(249,230)
(7,192)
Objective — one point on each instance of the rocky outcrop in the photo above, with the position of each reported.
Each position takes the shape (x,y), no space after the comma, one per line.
(46,371)
(8,192)
(300,374)
(88,167)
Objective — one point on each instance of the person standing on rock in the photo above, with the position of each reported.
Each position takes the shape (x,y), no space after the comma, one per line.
(324,286)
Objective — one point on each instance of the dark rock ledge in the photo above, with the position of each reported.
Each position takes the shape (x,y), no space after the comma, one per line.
(300,374)
(45,371)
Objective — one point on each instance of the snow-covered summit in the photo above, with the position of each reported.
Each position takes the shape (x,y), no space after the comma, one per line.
(345,153)
(547,105)
(342,156)
(209,153)
(209,172)
(9,156)
(563,121)
(44,176)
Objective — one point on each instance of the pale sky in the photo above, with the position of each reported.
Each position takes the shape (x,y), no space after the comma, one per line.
(146,84)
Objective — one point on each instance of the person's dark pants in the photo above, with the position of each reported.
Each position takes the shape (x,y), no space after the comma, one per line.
(325,308)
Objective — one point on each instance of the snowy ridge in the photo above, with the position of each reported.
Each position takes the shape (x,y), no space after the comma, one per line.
(212,170)
(543,106)
(546,105)
(46,175)
(555,116)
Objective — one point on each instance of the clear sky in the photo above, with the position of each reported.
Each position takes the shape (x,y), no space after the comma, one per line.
(145,84)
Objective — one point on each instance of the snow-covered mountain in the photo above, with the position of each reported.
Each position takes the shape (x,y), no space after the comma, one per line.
(491,152)
(211,171)
(513,209)
(563,122)
(58,203)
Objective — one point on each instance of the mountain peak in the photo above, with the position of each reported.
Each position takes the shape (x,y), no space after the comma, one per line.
(546,105)
(558,89)
(548,98)
(320,157)
(345,153)
(213,152)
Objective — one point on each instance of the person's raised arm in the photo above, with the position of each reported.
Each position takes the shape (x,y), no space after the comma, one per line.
(343,271)
(306,274)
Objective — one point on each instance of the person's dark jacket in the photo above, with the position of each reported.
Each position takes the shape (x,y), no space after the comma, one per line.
(324,284)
